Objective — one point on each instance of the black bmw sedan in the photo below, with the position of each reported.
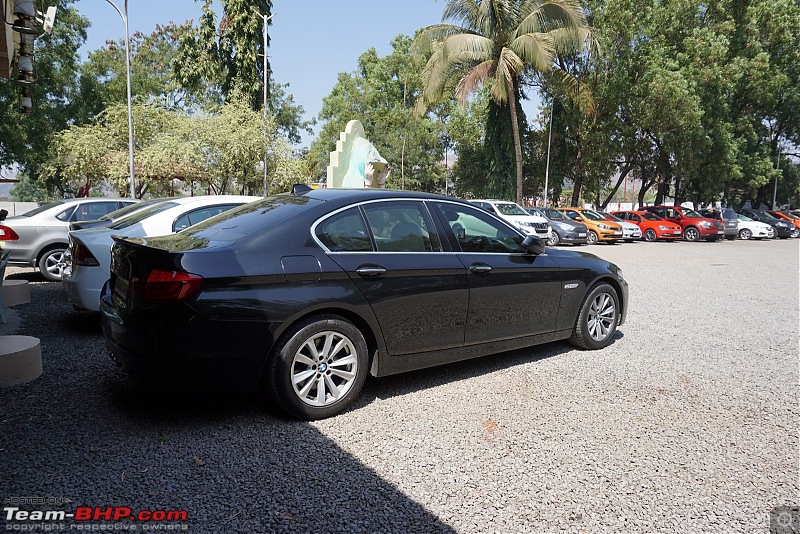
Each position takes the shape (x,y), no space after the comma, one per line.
(304,294)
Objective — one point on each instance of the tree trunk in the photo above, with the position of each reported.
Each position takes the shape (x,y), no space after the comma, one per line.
(623,175)
(576,189)
(512,101)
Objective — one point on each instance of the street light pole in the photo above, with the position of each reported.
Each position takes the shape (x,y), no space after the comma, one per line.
(775,191)
(124,16)
(266,89)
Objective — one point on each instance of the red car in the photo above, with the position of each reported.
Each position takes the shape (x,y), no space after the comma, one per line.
(695,226)
(653,227)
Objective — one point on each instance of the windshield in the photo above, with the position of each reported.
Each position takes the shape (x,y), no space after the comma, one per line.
(650,216)
(509,208)
(592,215)
(554,214)
(141,215)
(610,217)
(692,214)
(40,209)
(744,218)
(768,216)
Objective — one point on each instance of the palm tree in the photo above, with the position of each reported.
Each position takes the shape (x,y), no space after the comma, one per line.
(494,42)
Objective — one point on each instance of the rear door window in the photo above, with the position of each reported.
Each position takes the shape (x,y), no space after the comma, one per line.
(401,226)
(345,232)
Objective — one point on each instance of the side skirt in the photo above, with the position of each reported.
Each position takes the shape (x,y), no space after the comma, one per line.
(385,365)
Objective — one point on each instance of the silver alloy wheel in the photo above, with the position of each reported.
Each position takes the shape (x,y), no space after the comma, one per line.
(744,233)
(53,263)
(554,239)
(650,235)
(601,317)
(691,234)
(324,368)
(591,237)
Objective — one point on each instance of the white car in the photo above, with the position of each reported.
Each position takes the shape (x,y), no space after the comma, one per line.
(630,231)
(39,237)
(516,215)
(89,258)
(750,229)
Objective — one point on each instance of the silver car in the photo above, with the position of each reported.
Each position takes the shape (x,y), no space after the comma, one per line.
(39,237)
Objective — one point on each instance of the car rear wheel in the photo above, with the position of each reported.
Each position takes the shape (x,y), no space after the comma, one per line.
(51,264)
(597,320)
(744,233)
(650,235)
(591,237)
(554,239)
(691,234)
(318,367)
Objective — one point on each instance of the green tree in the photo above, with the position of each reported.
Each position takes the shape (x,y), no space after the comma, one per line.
(494,42)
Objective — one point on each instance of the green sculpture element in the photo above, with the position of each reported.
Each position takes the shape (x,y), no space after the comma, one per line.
(356,163)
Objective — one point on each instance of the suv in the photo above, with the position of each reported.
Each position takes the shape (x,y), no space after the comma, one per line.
(514,214)
(565,230)
(39,237)
(694,225)
(728,217)
(783,229)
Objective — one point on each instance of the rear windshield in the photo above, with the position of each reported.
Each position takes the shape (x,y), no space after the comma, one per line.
(40,209)
(141,215)
(250,218)
(728,213)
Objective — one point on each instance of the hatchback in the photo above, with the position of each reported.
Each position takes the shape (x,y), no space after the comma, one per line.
(305,294)
(600,229)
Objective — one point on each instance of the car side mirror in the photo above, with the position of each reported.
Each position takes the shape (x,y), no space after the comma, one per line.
(578,218)
(533,245)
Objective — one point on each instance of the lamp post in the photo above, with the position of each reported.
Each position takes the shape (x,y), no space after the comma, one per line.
(124,15)
(266,93)
(775,190)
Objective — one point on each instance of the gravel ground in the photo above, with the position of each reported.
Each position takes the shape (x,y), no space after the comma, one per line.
(688,422)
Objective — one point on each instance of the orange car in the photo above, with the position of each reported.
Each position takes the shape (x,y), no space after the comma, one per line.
(600,229)
(653,227)
(786,217)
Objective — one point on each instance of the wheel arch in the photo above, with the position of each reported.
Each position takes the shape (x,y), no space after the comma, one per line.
(370,331)
(617,288)
(47,248)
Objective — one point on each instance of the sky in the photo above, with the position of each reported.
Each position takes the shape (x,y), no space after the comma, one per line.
(311,41)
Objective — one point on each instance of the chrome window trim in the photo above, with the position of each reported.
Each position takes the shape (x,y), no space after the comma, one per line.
(358,206)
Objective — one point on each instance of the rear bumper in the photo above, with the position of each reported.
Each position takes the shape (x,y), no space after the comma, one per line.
(176,352)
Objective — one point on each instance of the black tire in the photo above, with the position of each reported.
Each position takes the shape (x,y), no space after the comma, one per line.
(554,240)
(691,234)
(592,332)
(591,238)
(650,235)
(51,263)
(745,233)
(290,361)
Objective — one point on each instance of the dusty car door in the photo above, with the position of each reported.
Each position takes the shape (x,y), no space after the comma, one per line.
(392,252)
(511,293)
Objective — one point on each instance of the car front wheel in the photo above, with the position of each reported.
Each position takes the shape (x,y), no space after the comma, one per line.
(554,239)
(597,319)
(650,235)
(318,367)
(592,237)
(744,233)
(691,234)
(51,264)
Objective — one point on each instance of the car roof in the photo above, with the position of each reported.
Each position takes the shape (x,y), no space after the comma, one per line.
(359,195)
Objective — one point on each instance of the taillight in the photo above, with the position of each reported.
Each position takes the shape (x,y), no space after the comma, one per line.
(82,256)
(168,286)
(7,234)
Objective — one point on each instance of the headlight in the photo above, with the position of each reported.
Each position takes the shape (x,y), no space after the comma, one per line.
(564,226)
(706,224)
(604,227)
(663,228)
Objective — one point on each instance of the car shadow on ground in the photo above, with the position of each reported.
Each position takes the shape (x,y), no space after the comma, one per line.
(405,383)
(30,276)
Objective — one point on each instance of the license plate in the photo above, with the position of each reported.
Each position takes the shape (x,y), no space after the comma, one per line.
(617,233)
(721,232)
(582,234)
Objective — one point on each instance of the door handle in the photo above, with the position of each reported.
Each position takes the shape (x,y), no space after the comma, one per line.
(479,268)
(370,270)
